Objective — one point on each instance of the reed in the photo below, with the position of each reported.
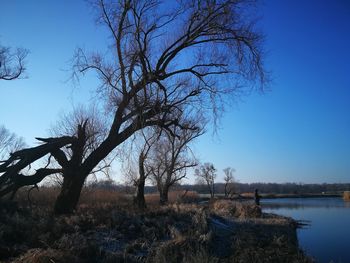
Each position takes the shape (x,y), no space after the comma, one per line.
(174,196)
(346,196)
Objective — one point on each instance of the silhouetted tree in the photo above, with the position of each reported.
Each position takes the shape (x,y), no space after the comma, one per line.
(187,56)
(206,174)
(12,63)
(229,181)
(137,171)
(12,170)
(90,128)
(9,142)
(171,157)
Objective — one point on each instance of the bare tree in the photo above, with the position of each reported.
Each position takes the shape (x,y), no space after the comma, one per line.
(206,174)
(137,171)
(12,63)
(68,124)
(9,142)
(164,58)
(90,128)
(68,151)
(96,130)
(170,158)
(229,181)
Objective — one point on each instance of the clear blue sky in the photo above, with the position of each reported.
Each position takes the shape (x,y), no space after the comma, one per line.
(299,131)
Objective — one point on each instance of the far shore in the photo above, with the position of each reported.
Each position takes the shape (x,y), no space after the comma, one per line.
(271,196)
(250,196)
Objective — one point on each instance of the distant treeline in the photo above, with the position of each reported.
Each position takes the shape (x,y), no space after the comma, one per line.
(266,188)
(275,188)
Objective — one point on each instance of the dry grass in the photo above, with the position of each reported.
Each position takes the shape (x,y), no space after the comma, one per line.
(152,199)
(234,209)
(174,197)
(39,255)
(185,250)
(102,230)
(247,195)
(102,196)
(42,196)
(104,233)
(346,195)
(45,197)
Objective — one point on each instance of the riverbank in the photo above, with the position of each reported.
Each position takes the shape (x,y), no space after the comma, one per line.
(326,244)
(221,231)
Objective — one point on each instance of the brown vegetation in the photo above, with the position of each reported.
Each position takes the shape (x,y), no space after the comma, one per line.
(346,195)
(231,209)
(46,197)
(174,196)
(106,229)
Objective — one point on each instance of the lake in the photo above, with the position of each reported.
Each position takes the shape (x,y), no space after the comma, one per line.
(327,238)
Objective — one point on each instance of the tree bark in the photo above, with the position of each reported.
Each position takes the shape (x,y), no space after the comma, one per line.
(68,198)
(139,199)
(211,190)
(163,196)
(228,190)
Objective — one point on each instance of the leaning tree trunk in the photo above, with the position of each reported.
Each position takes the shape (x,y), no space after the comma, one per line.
(73,176)
(68,198)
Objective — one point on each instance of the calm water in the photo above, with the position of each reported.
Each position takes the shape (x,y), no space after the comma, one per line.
(327,237)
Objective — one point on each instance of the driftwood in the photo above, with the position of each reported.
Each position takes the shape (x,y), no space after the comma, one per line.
(11,176)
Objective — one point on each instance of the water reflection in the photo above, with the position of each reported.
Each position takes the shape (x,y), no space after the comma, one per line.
(325,239)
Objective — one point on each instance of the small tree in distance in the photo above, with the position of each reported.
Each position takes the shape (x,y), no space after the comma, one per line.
(206,174)
(170,158)
(229,181)
(9,142)
(137,171)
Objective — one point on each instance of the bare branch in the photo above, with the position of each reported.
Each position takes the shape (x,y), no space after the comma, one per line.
(12,64)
